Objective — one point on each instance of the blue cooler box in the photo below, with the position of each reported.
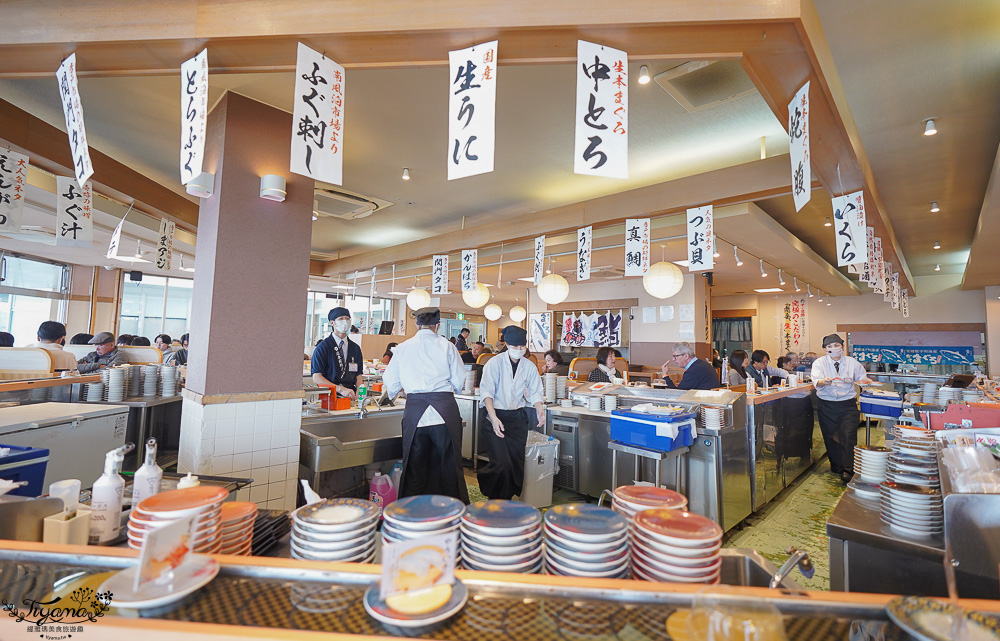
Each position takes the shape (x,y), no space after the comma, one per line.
(25,464)
(881,405)
(634,428)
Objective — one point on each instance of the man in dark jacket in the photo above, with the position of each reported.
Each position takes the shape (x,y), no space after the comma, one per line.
(337,360)
(698,374)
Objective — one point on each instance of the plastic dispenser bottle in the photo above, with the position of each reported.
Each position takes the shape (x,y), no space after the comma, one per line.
(146,481)
(106,498)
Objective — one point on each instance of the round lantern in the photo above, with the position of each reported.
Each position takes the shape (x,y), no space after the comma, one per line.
(418,298)
(553,289)
(517,313)
(492,312)
(477,297)
(663,280)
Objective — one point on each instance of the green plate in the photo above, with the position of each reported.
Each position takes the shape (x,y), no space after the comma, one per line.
(932,620)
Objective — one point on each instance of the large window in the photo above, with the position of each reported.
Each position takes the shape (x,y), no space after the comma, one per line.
(32,291)
(156,305)
(362,309)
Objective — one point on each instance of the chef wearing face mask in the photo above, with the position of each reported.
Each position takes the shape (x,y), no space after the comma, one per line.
(834,376)
(510,388)
(336,360)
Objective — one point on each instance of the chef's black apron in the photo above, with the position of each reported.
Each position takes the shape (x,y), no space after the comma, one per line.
(503,476)
(432,462)
(838,421)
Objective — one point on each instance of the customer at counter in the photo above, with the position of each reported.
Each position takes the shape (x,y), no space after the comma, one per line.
(180,356)
(554,363)
(698,374)
(834,376)
(105,354)
(510,387)
(474,352)
(162,342)
(461,342)
(761,371)
(51,336)
(605,371)
(336,361)
(428,368)
(738,363)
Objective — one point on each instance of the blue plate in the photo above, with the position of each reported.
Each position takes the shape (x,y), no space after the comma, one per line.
(382,612)
(589,520)
(502,514)
(424,508)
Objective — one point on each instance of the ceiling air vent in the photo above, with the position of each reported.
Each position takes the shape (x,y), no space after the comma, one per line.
(339,203)
(705,83)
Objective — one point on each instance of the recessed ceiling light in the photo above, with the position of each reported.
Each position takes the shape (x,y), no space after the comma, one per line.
(934,207)
(769,290)
(937,245)
(828,223)
(929,128)
(406,173)
(643,75)
(937,267)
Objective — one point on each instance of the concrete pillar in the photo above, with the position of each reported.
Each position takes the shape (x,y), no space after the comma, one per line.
(242,405)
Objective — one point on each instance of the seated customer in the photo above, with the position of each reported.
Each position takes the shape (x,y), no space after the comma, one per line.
(738,362)
(472,355)
(51,335)
(6,339)
(760,371)
(140,341)
(123,339)
(105,354)
(162,342)
(80,339)
(605,371)
(554,363)
(387,356)
(180,357)
(698,374)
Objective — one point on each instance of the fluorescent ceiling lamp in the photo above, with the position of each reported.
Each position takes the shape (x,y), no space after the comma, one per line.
(397,293)
(682,263)
(769,290)
(529,279)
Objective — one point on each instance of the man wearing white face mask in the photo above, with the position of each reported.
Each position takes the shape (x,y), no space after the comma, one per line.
(834,376)
(510,387)
(336,360)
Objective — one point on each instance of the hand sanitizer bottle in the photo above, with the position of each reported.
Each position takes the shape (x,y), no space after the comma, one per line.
(146,481)
(106,498)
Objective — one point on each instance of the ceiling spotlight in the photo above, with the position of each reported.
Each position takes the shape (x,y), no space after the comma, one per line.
(763,274)
(736,254)
(828,223)
(819,298)
(937,245)
(828,301)
(781,280)
(809,289)
(315,217)
(716,254)
(934,207)
(643,75)
(138,249)
(929,128)
(796,279)
(406,173)
(937,267)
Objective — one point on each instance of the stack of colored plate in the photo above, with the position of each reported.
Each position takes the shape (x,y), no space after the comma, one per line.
(870,462)
(913,460)
(419,516)
(629,499)
(204,503)
(912,510)
(502,536)
(587,541)
(678,546)
(237,527)
(341,530)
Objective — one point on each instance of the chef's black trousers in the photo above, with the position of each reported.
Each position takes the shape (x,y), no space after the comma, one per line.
(838,421)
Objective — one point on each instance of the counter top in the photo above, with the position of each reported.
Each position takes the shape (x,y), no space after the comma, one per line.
(16,386)
(858,519)
(776,393)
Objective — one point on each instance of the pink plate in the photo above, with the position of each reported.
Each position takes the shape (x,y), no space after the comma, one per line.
(644,496)
(688,527)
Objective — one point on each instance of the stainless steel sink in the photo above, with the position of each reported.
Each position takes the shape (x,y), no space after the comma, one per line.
(743,566)
(343,442)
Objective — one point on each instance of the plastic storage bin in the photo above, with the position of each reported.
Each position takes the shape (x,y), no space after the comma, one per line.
(881,405)
(25,464)
(652,430)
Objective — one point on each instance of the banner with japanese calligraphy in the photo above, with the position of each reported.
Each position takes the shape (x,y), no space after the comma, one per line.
(636,246)
(439,275)
(601,111)
(74,208)
(116,239)
(792,330)
(868,267)
(540,332)
(318,117)
(13,180)
(194,114)
(849,228)
(164,245)
(584,236)
(798,147)
(539,259)
(472,98)
(701,239)
(895,290)
(69,94)
(470,269)
(878,283)
(904,303)
(591,330)
(912,355)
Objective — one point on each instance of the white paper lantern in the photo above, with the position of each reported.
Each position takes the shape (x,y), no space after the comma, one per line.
(517,313)
(492,312)
(663,280)
(477,297)
(553,289)
(418,298)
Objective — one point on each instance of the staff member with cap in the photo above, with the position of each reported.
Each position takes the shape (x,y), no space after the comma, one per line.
(510,387)
(105,354)
(336,361)
(834,376)
(430,370)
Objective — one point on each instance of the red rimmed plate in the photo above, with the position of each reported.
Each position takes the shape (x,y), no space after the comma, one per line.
(639,497)
(180,503)
(679,527)
(237,511)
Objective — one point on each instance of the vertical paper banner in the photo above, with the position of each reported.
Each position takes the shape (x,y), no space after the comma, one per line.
(69,93)
(878,268)
(798,147)
(701,239)
(895,290)
(374,286)
(886,282)
(601,111)
(867,269)
(439,275)
(904,303)
(470,269)
(74,222)
(164,245)
(116,239)
(318,117)
(584,236)
(785,328)
(636,246)
(472,98)
(13,179)
(194,114)
(539,259)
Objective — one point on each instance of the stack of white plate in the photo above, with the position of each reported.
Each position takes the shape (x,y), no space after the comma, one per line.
(586,541)
(948,395)
(135,380)
(561,389)
(116,384)
(470,382)
(203,502)
(594,402)
(549,387)
(913,460)
(713,418)
(502,536)
(628,500)
(149,380)
(169,378)
(418,516)
(566,402)
(915,397)
(676,546)
(238,518)
(95,392)
(912,510)
(340,530)
(610,402)
(870,463)
(972,395)
(930,392)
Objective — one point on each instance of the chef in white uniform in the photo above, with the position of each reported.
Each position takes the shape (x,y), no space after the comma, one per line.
(429,368)
(511,386)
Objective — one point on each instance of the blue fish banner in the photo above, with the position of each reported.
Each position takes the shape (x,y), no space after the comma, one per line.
(909,355)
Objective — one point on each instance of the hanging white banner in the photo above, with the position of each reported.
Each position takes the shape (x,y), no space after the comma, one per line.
(318,117)
(439,275)
(879,268)
(470,269)
(74,208)
(792,326)
(69,93)
(848,248)
(798,146)
(895,290)
(636,246)
(701,239)
(539,259)
(164,245)
(905,303)
(472,98)
(194,114)
(866,269)
(13,180)
(116,239)
(887,282)
(601,111)
(584,236)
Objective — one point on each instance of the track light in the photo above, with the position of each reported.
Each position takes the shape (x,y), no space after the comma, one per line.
(716,254)
(809,289)
(828,223)
(643,75)
(138,248)
(929,128)
(763,274)
(796,279)
(781,280)
(937,267)
(406,173)
(934,207)
(736,254)
(819,297)
(937,245)
(828,301)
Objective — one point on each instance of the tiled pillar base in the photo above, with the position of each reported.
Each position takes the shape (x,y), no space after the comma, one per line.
(253,439)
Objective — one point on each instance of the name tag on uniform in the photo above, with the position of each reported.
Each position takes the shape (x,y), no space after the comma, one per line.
(352,367)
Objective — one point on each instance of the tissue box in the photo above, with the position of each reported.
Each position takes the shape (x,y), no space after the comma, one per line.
(652,430)
(881,405)
(25,464)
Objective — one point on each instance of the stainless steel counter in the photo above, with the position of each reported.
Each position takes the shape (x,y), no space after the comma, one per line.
(150,416)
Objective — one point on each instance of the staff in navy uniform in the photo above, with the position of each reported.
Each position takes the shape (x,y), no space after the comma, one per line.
(510,387)
(337,360)
(430,370)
